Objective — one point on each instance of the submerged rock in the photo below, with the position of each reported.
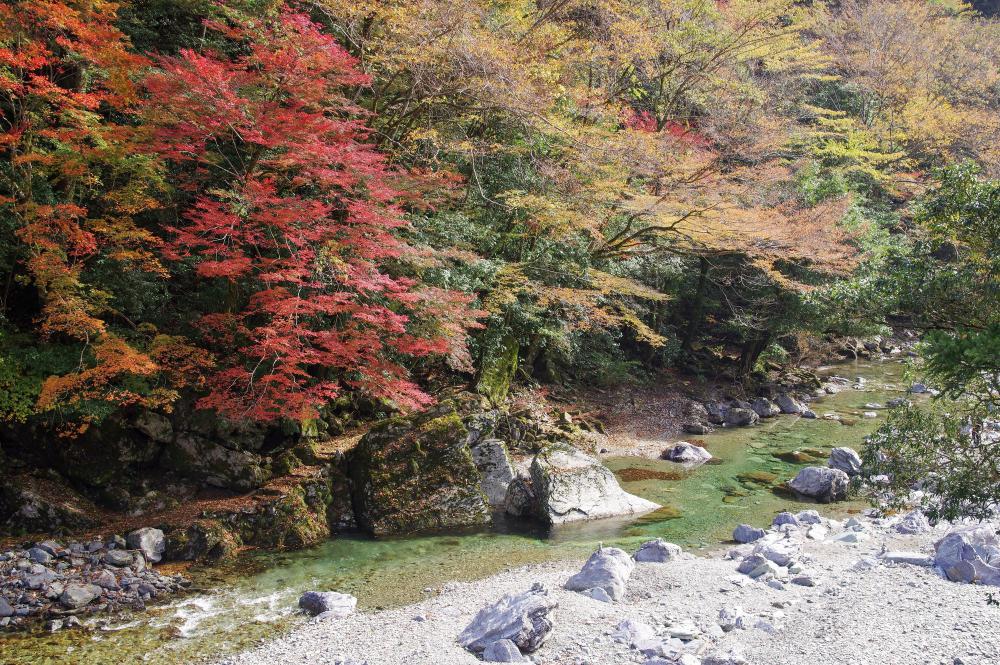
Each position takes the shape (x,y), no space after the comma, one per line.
(331,604)
(609,568)
(683,452)
(521,618)
(822,484)
(570,486)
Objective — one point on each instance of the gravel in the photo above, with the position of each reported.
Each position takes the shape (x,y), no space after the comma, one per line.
(862,610)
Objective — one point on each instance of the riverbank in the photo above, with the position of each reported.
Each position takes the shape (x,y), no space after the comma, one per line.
(863,609)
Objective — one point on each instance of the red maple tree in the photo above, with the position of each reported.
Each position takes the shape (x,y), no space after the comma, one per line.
(290,207)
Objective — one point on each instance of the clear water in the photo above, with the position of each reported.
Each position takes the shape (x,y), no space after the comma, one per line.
(255,598)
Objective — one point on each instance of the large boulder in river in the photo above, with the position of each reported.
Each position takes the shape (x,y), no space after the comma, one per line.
(608,569)
(764,407)
(490,457)
(740,417)
(845,459)
(412,474)
(521,618)
(789,404)
(683,452)
(970,554)
(570,486)
(822,484)
(151,542)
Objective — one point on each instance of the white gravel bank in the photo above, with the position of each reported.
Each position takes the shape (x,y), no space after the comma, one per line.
(877,614)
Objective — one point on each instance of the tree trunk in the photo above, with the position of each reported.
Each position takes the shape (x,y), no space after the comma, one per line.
(698,307)
(752,349)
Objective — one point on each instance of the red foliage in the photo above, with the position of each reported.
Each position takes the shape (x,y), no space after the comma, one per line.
(292,209)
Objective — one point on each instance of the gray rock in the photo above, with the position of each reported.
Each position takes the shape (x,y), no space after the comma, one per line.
(728,617)
(897,401)
(330,604)
(599,594)
(970,554)
(76,596)
(632,632)
(781,552)
(5,609)
(50,546)
(738,417)
(151,542)
(657,551)
(503,651)
(750,563)
(683,452)
(765,408)
(808,414)
(119,558)
(490,457)
(789,404)
(914,522)
(745,533)
(608,568)
(697,428)
(919,389)
(808,517)
(823,484)
(519,500)
(39,555)
(716,413)
(105,579)
(521,618)
(570,486)
(785,518)
(804,580)
(845,459)
(157,427)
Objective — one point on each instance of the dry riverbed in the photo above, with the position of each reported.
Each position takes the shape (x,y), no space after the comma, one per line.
(863,609)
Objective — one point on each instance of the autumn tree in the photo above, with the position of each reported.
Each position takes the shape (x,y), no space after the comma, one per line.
(287,209)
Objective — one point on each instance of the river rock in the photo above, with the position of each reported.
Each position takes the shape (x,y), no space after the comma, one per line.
(845,459)
(728,617)
(781,552)
(76,596)
(39,555)
(5,609)
(519,499)
(808,517)
(632,632)
(784,518)
(822,484)
(503,651)
(808,414)
(119,558)
(789,404)
(739,417)
(716,413)
(914,522)
(331,604)
(416,473)
(697,428)
(910,558)
(764,407)
(683,452)
(521,618)
(919,389)
(570,486)
(490,457)
(750,563)
(745,533)
(657,551)
(151,542)
(608,568)
(970,554)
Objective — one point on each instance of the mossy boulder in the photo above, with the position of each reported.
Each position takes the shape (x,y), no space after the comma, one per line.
(211,462)
(412,474)
(202,540)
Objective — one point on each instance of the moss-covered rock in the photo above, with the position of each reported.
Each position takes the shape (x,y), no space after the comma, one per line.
(194,456)
(203,540)
(417,474)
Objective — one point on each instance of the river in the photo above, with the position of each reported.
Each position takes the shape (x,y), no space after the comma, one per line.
(255,597)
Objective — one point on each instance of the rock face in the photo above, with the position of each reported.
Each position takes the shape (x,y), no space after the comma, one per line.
(570,486)
(822,484)
(328,603)
(490,458)
(970,554)
(519,500)
(765,408)
(739,417)
(609,568)
(521,618)
(417,474)
(789,404)
(657,551)
(845,459)
(151,542)
(683,452)
(28,504)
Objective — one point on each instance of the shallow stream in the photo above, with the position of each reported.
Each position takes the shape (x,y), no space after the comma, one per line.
(255,598)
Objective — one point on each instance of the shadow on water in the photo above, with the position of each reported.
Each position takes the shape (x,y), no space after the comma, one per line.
(255,598)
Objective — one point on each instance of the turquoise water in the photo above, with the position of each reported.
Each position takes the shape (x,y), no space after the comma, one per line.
(255,598)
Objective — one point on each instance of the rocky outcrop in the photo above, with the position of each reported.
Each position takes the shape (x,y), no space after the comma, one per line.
(741,417)
(570,486)
(764,407)
(657,551)
(970,554)
(822,484)
(417,474)
(607,569)
(491,459)
(30,504)
(521,618)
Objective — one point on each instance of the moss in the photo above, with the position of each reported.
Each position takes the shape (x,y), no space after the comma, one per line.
(204,540)
(498,371)
(634,474)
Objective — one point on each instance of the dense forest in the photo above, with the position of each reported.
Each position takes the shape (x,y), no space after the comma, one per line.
(269,208)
